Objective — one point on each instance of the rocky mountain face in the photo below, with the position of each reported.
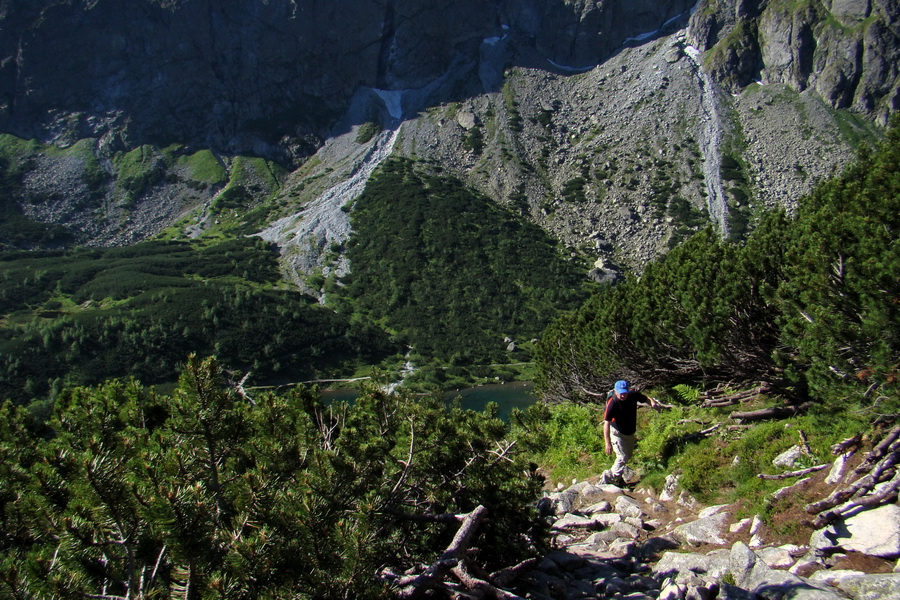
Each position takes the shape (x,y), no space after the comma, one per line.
(842,49)
(259,76)
(620,126)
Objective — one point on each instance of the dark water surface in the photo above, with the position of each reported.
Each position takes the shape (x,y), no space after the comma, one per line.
(507,396)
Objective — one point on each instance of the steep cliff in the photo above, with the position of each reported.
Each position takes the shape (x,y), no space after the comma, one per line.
(844,50)
(259,76)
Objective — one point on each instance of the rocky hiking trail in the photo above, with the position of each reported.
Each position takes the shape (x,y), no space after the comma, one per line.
(842,542)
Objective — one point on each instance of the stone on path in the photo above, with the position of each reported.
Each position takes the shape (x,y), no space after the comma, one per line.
(874,532)
(708,530)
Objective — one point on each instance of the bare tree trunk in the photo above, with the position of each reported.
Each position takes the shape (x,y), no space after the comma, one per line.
(415,586)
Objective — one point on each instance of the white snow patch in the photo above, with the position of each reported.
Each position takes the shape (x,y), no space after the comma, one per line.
(643,36)
(571,69)
(393,101)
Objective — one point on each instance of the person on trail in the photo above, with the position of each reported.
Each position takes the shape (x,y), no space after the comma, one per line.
(619,426)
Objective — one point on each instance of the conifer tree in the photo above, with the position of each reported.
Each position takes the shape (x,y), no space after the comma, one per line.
(842,291)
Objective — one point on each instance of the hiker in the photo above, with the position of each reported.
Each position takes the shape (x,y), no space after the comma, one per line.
(619,425)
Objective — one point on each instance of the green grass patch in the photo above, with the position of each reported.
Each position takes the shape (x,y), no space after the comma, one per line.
(203,166)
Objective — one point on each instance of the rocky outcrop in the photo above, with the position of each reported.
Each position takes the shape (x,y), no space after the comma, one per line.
(637,544)
(844,50)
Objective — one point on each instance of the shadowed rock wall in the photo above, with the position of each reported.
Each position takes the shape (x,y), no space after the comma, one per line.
(262,76)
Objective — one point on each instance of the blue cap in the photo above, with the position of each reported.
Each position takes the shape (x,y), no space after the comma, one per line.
(622,386)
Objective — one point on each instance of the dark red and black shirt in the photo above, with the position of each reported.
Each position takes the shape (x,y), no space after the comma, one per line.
(622,414)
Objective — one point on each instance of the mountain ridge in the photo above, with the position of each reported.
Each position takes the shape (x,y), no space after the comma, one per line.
(615,126)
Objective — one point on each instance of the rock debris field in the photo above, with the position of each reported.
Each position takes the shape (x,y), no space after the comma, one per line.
(636,544)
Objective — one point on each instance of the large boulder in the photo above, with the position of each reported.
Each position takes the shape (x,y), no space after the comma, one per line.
(706,530)
(752,574)
(874,532)
(861,586)
(683,565)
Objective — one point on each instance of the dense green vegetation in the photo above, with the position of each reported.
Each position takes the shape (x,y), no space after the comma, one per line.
(201,494)
(451,272)
(808,304)
(84,315)
(670,441)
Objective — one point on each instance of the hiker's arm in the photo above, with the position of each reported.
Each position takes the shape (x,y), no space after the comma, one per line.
(606,437)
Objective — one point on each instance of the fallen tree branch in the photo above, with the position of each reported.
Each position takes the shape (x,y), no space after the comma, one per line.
(480,585)
(880,465)
(423,517)
(799,473)
(845,445)
(415,586)
(887,444)
(790,489)
(409,459)
(774,412)
(725,395)
(506,576)
(879,497)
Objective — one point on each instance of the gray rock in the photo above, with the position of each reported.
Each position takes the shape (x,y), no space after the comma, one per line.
(561,502)
(732,592)
(682,565)
(850,10)
(777,558)
(702,592)
(863,586)
(599,507)
(752,574)
(606,519)
(643,583)
(736,527)
(629,507)
(837,469)
(669,488)
(708,530)
(756,532)
(874,532)
(625,530)
(466,119)
(572,521)
(547,585)
(621,549)
(655,545)
(565,561)
(712,510)
(594,494)
(788,458)
(580,589)
(672,591)
(615,585)
(686,500)
(807,564)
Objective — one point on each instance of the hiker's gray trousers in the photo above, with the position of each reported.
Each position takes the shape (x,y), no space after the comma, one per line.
(623,446)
